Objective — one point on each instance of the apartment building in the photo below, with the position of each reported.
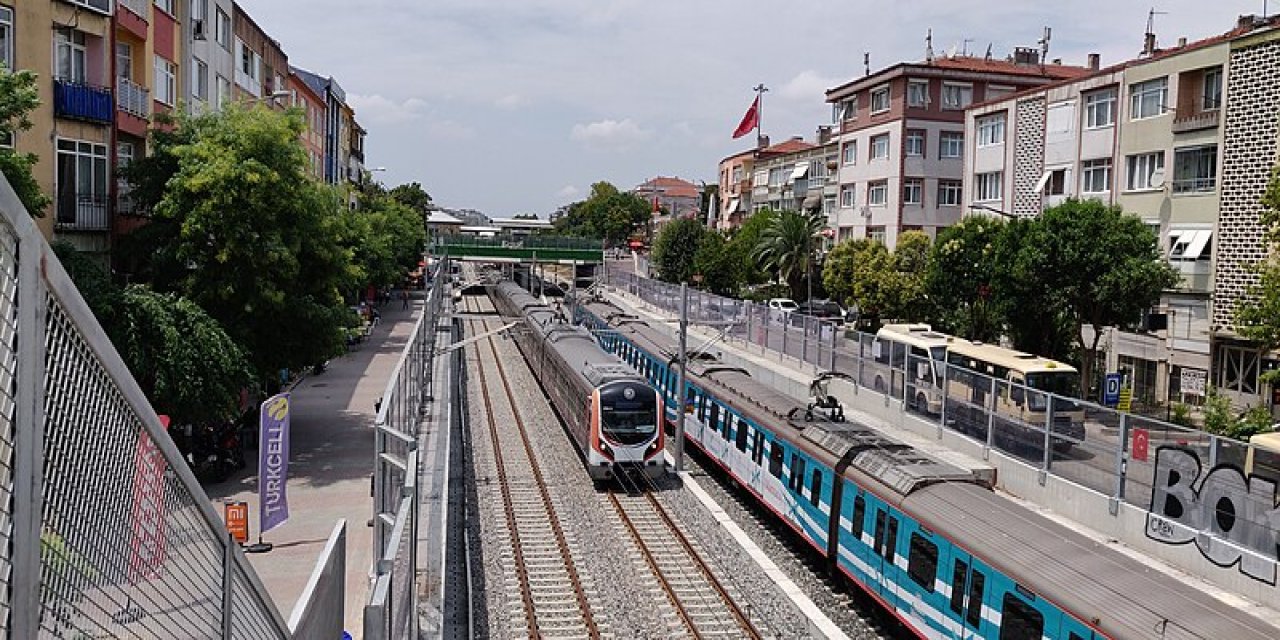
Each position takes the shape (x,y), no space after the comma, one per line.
(261,65)
(1146,135)
(313,112)
(334,99)
(672,198)
(210,40)
(793,175)
(735,190)
(901,138)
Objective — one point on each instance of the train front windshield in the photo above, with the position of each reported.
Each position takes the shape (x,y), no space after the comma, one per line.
(628,413)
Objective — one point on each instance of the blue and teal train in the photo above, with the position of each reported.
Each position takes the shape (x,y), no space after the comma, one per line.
(932,544)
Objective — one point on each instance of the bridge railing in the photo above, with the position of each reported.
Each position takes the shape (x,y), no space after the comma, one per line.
(106,532)
(519,241)
(391,611)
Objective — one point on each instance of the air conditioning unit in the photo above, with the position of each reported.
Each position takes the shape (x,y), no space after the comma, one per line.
(866,211)
(197,29)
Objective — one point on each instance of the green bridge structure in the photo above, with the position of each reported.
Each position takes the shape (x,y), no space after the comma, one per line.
(519,248)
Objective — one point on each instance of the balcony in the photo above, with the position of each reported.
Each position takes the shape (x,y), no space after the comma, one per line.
(83,212)
(1196,121)
(138,7)
(99,6)
(78,101)
(1194,185)
(132,98)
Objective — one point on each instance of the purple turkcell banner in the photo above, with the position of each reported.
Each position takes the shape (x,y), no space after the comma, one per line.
(273,462)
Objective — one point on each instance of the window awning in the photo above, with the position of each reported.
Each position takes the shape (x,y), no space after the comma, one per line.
(813,201)
(1197,245)
(1044,181)
(734,203)
(1188,244)
(801,169)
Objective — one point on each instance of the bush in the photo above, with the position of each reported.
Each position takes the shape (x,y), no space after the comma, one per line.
(1181,415)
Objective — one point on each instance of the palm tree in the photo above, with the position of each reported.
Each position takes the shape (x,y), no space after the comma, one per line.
(788,246)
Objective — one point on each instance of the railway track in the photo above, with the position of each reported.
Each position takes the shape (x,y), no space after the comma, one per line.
(703,605)
(550,597)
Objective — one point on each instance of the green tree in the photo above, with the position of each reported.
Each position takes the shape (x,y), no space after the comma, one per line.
(1104,267)
(1258,316)
(838,270)
(675,249)
(788,248)
(183,360)
(412,195)
(958,283)
(720,268)
(1036,317)
(744,241)
(608,214)
(241,229)
(911,267)
(18,98)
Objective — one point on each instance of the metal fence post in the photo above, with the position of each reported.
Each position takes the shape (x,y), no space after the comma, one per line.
(28,458)
(1122,464)
(942,410)
(991,421)
(906,376)
(1048,436)
(228,585)
(1213,452)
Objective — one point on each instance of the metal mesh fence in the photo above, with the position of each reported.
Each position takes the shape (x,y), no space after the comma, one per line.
(1109,451)
(105,531)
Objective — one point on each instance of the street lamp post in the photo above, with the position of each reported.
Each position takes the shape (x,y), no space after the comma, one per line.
(683,357)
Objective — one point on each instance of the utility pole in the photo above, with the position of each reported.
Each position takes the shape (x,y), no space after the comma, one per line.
(682,356)
(759,89)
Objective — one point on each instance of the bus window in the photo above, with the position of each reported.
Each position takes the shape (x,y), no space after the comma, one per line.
(1263,458)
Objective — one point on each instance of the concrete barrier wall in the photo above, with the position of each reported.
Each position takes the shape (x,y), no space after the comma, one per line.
(318,613)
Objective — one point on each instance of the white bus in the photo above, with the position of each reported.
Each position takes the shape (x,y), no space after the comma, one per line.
(919,353)
(1020,408)
(1264,456)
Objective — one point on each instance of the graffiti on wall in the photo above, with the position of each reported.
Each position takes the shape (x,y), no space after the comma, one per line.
(1232,518)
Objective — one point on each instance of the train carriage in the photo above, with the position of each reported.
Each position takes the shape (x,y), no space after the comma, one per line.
(936,547)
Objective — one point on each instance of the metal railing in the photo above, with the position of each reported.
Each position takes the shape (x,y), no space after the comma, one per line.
(391,611)
(133,98)
(1109,451)
(81,101)
(83,212)
(107,533)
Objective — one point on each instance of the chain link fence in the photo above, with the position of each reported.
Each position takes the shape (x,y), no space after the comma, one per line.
(1108,451)
(107,533)
(391,611)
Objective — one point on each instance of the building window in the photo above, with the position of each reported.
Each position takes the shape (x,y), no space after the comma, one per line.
(880,146)
(991,130)
(82,183)
(915,142)
(1140,169)
(777,176)
(1057,183)
(851,152)
(1195,169)
(875,234)
(949,192)
(817,171)
(878,193)
(880,99)
(199,79)
(199,11)
(166,82)
(248,61)
(956,96)
(917,93)
(1147,99)
(1212,95)
(1100,109)
(1095,176)
(988,186)
(165,6)
(846,196)
(224,91)
(6,37)
(124,60)
(70,55)
(846,110)
(913,191)
(950,144)
(222,29)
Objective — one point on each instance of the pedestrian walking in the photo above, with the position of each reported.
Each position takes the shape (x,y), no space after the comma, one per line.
(404,297)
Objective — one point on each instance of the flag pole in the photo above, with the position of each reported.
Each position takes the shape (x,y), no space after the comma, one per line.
(759,89)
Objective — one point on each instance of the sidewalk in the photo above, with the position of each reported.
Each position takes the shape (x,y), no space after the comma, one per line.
(330,466)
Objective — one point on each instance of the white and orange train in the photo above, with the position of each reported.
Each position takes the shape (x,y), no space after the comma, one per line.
(612,414)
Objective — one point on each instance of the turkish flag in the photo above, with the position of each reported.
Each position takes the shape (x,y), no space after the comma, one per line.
(749,121)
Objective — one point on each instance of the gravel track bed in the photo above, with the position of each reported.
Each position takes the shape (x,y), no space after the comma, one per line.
(623,596)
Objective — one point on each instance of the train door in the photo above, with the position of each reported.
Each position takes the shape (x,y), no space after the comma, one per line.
(968,593)
(1072,629)
(885,547)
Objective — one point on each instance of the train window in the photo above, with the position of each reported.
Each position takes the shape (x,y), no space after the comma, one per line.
(714,420)
(776,452)
(741,436)
(796,481)
(1019,620)
(815,486)
(859,516)
(702,402)
(891,544)
(957,586)
(757,447)
(1074,636)
(976,585)
(879,532)
(922,561)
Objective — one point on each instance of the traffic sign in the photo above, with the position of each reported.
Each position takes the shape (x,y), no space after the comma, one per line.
(1111,390)
(1126,400)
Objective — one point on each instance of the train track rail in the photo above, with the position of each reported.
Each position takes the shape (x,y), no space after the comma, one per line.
(704,606)
(553,599)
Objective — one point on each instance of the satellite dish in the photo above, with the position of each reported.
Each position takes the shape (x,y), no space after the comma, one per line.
(1156,181)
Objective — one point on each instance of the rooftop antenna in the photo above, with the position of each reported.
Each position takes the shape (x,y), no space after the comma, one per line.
(1149,39)
(965,51)
(866,62)
(988,56)
(928,46)
(1044,45)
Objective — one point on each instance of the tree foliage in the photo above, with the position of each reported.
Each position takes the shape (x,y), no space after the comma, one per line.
(1035,316)
(958,281)
(718,264)
(18,98)
(788,248)
(608,214)
(675,249)
(880,283)
(743,244)
(240,228)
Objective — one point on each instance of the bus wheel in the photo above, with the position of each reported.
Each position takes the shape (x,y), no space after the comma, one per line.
(922,403)
(879,384)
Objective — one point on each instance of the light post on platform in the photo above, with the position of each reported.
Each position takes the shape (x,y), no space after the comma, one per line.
(683,357)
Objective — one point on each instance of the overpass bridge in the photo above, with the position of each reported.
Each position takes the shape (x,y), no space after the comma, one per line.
(519,249)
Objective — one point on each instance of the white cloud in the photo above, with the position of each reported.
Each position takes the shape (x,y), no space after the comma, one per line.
(378,109)
(511,101)
(450,130)
(808,85)
(609,134)
(568,192)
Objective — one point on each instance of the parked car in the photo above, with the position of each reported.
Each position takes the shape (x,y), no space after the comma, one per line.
(824,309)
(785,305)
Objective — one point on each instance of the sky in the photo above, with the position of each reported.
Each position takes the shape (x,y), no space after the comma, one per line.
(519,106)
